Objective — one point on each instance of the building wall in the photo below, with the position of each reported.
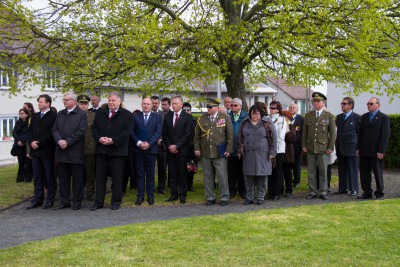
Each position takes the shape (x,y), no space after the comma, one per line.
(335,95)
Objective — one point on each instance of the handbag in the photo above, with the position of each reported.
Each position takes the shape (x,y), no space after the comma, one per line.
(13,151)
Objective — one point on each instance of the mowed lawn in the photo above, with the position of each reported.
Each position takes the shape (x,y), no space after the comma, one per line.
(347,234)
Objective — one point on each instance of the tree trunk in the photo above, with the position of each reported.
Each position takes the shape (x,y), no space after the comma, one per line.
(235,82)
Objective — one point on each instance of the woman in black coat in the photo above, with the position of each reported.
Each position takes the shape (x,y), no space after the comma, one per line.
(19,135)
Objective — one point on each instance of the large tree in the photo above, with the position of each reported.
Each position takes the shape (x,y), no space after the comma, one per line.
(169,45)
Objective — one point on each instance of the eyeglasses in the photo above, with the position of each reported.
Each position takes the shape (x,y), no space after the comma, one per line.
(65,100)
(234,106)
(186,109)
(273,108)
(370,104)
(344,104)
(255,113)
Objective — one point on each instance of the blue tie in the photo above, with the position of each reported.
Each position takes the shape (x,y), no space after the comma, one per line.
(145,119)
(41,114)
(371,116)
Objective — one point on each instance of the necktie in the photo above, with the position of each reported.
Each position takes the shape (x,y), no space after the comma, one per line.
(112,114)
(145,119)
(317,115)
(176,118)
(371,116)
(41,114)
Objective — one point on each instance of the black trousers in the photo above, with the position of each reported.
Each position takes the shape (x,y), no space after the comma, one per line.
(161,170)
(368,164)
(348,173)
(129,173)
(116,167)
(178,175)
(288,167)
(68,172)
(44,175)
(275,180)
(297,168)
(235,176)
(24,165)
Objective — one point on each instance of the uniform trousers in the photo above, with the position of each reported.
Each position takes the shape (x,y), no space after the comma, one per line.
(216,167)
(317,185)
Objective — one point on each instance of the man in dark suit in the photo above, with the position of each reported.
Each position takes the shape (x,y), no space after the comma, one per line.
(95,101)
(372,142)
(297,122)
(42,151)
(161,156)
(147,130)
(177,133)
(347,127)
(69,134)
(111,128)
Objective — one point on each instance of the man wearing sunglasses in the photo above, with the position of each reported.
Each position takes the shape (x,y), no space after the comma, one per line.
(348,127)
(318,141)
(372,142)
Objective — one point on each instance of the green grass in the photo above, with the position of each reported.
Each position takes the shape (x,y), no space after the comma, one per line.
(10,191)
(346,234)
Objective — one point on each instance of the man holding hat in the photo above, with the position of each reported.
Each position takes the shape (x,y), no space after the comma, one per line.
(90,147)
(213,141)
(318,141)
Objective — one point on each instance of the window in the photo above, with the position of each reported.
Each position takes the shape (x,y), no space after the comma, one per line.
(5,77)
(7,126)
(51,78)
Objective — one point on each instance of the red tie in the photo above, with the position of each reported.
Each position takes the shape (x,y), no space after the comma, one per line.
(176,119)
(112,114)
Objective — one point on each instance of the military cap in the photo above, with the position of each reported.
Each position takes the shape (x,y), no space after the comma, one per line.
(318,96)
(213,102)
(83,98)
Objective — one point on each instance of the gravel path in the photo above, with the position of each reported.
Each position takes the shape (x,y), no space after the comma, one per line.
(19,226)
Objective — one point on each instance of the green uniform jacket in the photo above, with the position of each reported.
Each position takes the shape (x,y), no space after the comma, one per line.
(210,134)
(319,135)
(90,144)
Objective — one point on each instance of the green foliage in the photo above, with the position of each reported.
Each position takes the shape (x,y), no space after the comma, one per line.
(317,235)
(392,156)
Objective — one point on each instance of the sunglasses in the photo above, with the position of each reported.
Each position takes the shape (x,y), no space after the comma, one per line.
(234,106)
(370,104)
(344,104)
(210,107)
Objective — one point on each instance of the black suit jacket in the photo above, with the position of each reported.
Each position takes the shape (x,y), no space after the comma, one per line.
(374,135)
(181,134)
(40,130)
(118,128)
(71,128)
(298,123)
(347,134)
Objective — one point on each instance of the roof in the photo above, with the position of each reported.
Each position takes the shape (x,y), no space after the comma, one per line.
(294,91)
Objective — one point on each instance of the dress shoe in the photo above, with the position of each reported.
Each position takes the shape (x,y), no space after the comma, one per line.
(161,191)
(34,205)
(275,198)
(76,207)
(223,203)
(363,196)
(210,202)
(139,202)
(115,207)
(182,200)
(96,207)
(61,207)
(310,196)
(380,197)
(296,185)
(353,193)
(340,192)
(150,201)
(48,205)
(247,202)
(329,190)
(287,195)
(171,199)
(324,197)
(260,202)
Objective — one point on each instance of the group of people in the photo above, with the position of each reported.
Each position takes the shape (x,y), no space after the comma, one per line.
(255,154)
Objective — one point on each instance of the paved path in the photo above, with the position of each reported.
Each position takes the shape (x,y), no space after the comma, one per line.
(18,225)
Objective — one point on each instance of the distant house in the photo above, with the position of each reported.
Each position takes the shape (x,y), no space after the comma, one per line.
(288,93)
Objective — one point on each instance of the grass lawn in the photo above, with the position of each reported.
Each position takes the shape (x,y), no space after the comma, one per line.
(10,191)
(346,234)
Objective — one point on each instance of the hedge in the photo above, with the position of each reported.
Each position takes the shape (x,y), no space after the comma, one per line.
(392,155)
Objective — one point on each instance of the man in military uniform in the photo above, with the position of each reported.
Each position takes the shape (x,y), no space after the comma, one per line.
(318,141)
(90,147)
(213,141)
